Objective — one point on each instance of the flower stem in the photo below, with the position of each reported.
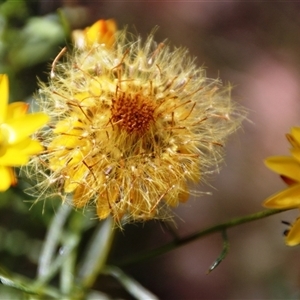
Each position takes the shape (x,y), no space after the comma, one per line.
(137,258)
(52,240)
(97,253)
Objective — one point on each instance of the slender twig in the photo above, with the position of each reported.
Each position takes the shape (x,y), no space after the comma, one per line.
(190,238)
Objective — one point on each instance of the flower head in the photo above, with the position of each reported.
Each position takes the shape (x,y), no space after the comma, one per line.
(15,128)
(131,126)
(289,169)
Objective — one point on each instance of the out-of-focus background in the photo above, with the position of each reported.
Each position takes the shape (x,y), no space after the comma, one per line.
(253,45)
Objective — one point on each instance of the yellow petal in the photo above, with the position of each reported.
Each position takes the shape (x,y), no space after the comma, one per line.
(16,110)
(4,136)
(67,126)
(69,186)
(32,147)
(106,201)
(284,165)
(80,197)
(13,157)
(63,142)
(295,133)
(293,237)
(103,208)
(288,198)
(18,154)
(3,97)
(26,125)
(7,178)
(76,176)
(101,32)
(296,154)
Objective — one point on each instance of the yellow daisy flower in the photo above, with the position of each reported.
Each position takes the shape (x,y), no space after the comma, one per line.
(15,128)
(289,169)
(132,125)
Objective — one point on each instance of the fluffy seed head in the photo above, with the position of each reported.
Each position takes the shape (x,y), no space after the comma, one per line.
(131,126)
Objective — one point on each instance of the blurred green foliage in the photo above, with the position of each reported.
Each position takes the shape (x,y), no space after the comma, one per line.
(28,42)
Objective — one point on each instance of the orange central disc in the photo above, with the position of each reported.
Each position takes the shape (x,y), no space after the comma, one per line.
(132,113)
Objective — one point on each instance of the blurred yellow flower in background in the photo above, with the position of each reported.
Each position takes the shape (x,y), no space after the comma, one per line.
(101,32)
(132,124)
(15,128)
(289,169)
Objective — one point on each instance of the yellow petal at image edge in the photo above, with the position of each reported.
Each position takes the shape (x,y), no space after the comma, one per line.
(296,155)
(284,165)
(27,125)
(293,237)
(3,97)
(295,132)
(7,178)
(288,198)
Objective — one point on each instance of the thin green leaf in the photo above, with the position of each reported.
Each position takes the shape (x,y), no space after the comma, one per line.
(130,284)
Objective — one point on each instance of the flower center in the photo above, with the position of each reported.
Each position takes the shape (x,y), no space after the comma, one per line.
(132,113)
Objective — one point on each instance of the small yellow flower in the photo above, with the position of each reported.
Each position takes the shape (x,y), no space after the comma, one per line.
(132,125)
(15,128)
(101,32)
(289,169)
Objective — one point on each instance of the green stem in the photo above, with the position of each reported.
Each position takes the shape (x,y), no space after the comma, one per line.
(190,238)
(52,240)
(27,285)
(69,245)
(66,275)
(97,253)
